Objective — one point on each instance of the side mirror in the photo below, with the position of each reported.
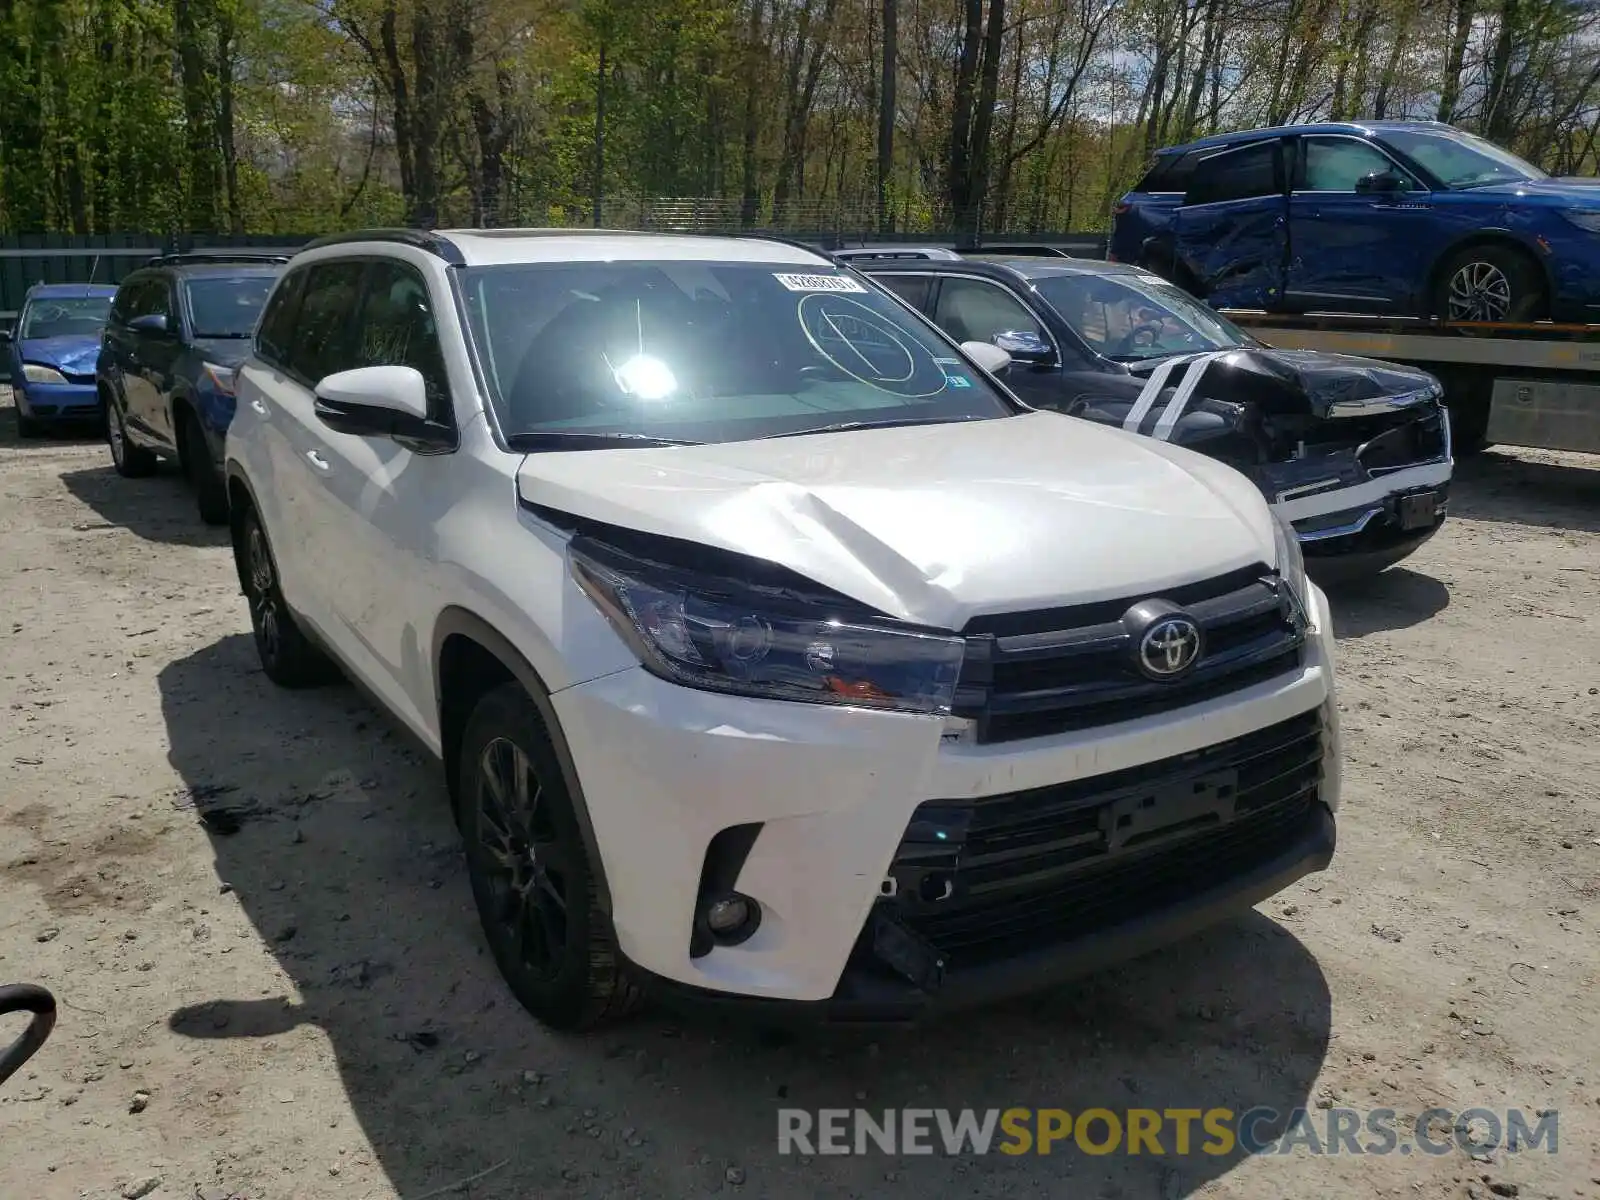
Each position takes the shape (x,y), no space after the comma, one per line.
(1025,346)
(149,324)
(988,356)
(377,402)
(1380,183)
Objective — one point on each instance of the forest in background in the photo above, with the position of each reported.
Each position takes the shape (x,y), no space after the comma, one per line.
(299,116)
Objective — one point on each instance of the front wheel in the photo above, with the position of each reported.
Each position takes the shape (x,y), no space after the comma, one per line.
(532,877)
(131,461)
(210,490)
(1489,283)
(287,657)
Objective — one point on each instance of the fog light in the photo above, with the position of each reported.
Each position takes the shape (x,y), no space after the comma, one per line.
(726,915)
(729,917)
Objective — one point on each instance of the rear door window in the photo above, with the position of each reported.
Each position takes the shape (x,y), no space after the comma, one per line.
(1244,173)
(915,290)
(323,334)
(975,310)
(1169,173)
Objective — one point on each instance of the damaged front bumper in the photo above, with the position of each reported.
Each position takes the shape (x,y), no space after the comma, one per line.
(1361,507)
(1355,454)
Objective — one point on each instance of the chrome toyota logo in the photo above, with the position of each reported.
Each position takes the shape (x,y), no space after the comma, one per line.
(1169,647)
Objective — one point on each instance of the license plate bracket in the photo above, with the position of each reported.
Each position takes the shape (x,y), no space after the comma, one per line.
(1419,510)
(1172,811)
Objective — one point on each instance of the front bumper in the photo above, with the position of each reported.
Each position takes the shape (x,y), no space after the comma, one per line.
(1356,515)
(57,401)
(835,791)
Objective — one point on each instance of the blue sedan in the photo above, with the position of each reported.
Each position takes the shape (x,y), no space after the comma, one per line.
(52,354)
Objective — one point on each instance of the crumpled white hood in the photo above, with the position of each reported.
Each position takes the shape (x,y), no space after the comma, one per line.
(935,523)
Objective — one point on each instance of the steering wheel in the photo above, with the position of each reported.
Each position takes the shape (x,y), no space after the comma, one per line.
(1142,336)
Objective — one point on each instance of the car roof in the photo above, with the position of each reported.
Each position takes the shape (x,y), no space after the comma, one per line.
(70,291)
(502,247)
(1243,136)
(1028,267)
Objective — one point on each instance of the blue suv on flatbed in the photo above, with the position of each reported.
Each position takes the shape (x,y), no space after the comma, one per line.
(1391,217)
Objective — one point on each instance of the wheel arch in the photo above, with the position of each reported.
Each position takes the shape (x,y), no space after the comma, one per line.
(1492,236)
(469,658)
(241,499)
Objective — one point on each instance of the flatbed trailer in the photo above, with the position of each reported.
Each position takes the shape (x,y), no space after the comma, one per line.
(1535,384)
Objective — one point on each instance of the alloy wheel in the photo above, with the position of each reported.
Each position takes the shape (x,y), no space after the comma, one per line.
(1479,291)
(526,864)
(264,594)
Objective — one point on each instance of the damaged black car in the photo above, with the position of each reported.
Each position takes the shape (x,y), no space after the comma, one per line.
(1354,452)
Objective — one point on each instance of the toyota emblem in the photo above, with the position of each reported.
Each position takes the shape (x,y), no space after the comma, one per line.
(1169,647)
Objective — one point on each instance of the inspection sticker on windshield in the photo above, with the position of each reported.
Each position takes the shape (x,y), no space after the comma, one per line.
(819,283)
(958,381)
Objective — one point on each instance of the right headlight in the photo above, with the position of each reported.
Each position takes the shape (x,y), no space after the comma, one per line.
(727,635)
(1291,562)
(37,373)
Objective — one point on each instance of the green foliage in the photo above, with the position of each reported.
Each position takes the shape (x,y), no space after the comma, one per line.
(279,116)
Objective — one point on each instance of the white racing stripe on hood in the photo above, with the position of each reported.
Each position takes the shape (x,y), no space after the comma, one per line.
(936,523)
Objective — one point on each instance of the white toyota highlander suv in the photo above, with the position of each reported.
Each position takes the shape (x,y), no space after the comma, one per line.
(774,652)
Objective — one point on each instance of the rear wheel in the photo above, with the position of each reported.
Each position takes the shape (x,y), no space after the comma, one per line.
(210,489)
(131,461)
(1489,282)
(532,878)
(287,657)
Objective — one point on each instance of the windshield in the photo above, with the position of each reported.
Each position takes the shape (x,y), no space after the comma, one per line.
(63,316)
(1460,160)
(706,352)
(1130,318)
(226,306)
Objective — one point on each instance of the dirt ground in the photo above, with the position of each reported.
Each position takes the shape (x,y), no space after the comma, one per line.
(251,905)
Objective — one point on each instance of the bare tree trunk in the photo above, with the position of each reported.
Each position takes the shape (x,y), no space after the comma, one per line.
(750,208)
(1450,85)
(977,83)
(888,73)
(225,133)
(200,210)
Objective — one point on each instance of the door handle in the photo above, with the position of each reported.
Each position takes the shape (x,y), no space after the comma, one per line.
(259,407)
(317,460)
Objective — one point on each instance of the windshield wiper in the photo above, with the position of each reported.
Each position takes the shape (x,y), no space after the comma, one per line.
(587,439)
(846,426)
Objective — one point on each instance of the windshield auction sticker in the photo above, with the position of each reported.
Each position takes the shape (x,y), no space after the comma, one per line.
(819,283)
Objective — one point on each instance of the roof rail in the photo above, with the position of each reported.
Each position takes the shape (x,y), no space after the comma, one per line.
(421,239)
(178,258)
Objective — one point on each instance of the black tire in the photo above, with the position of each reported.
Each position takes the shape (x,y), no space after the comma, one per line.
(29,429)
(210,489)
(1489,282)
(1469,428)
(131,462)
(287,657)
(531,875)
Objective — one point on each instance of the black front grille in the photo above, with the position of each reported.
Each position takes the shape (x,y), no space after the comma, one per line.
(1029,675)
(986,879)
